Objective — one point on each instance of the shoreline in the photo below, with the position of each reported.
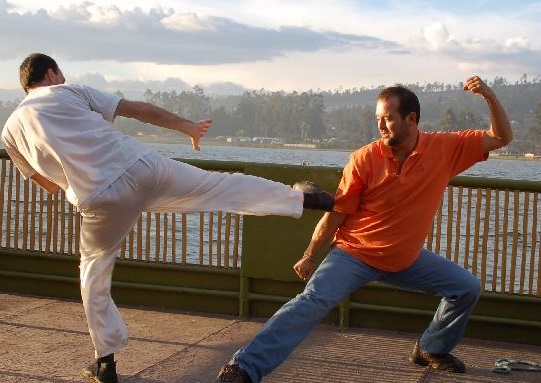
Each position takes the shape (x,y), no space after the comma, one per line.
(213,142)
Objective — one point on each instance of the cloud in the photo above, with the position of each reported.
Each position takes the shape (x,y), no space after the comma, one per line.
(436,35)
(161,35)
(478,53)
(272,44)
(135,89)
(517,43)
(130,88)
(187,22)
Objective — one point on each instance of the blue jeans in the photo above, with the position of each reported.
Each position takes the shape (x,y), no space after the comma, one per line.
(338,276)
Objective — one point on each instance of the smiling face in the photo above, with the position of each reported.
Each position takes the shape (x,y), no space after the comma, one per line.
(394,129)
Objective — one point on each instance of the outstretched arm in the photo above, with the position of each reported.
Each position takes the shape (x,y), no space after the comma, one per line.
(152,114)
(499,132)
(323,233)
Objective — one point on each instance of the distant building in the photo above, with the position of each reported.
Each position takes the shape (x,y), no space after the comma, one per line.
(239,139)
(268,140)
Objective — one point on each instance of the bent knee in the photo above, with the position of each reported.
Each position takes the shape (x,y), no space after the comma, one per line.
(472,289)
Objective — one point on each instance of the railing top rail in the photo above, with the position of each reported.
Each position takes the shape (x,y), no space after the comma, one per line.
(496,183)
(467,181)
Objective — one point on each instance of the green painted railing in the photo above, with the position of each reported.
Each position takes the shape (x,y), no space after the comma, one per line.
(242,265)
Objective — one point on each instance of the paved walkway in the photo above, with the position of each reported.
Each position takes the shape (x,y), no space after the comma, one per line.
(46,340)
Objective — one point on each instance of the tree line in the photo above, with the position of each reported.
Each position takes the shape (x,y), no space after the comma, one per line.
(342,118)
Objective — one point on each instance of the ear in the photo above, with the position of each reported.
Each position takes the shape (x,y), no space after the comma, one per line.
(49,76)
(412,118)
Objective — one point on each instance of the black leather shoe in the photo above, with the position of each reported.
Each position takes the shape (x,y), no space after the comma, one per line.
(101,372)
(314,196)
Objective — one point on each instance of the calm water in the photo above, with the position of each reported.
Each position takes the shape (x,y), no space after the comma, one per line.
(493,168)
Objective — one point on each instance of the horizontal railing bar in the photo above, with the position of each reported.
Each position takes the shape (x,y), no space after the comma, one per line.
(128,285)
(496,183)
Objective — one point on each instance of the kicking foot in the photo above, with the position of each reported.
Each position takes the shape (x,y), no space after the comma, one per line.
(314,196)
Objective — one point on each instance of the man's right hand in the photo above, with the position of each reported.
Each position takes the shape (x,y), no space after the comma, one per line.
(305,267)
(199,130)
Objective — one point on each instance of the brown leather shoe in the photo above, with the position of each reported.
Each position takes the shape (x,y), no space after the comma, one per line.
(444,362)
(232,373)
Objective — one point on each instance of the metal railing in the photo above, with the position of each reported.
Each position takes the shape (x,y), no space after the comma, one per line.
(33,220)
(211,239)
(491,227)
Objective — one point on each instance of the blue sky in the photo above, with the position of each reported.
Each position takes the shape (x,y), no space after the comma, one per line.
(290,45)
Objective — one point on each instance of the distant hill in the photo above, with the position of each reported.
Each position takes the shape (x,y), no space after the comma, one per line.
(11,94)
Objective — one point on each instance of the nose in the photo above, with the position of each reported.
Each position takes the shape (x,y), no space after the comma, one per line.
(381,124)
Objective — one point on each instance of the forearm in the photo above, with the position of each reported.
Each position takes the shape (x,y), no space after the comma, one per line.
(500,127)
(324,232)
(50,186)
(155,115)
(499,132)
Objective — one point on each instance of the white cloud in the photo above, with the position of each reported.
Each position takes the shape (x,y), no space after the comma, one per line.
(189,22)
(74,12)
(436,35)
(165,36)
(517,43)
(274,44)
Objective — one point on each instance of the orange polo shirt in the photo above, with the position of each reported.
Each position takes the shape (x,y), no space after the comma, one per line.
(389,212)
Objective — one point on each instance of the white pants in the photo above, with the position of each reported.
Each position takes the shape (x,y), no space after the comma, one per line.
(160,184)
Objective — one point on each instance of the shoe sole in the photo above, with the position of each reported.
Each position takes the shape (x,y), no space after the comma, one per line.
(423,363)
(92,378)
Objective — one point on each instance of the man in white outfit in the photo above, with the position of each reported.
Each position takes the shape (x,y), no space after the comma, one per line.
(62,137)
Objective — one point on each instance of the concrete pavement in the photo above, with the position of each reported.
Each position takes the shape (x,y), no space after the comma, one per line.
(46,340)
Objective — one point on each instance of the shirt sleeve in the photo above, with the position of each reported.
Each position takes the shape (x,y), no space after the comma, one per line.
(349,190)
(20,162)
(467,150)
(102,102)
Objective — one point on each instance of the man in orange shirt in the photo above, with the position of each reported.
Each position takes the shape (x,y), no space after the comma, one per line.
(385,203)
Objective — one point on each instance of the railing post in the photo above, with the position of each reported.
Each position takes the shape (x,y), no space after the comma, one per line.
(244,297)
(343,313)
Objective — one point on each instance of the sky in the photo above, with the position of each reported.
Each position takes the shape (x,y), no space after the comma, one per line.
(229,46)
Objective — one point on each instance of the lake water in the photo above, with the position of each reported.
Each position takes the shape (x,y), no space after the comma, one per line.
(493,168)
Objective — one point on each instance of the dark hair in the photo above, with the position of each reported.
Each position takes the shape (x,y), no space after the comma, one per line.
(33,69)
(408,101)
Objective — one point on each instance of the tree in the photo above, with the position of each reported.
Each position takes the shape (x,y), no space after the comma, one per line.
(534,132)
(468,120)
(222,123)
(499,82)
(193,104)
(448,121)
